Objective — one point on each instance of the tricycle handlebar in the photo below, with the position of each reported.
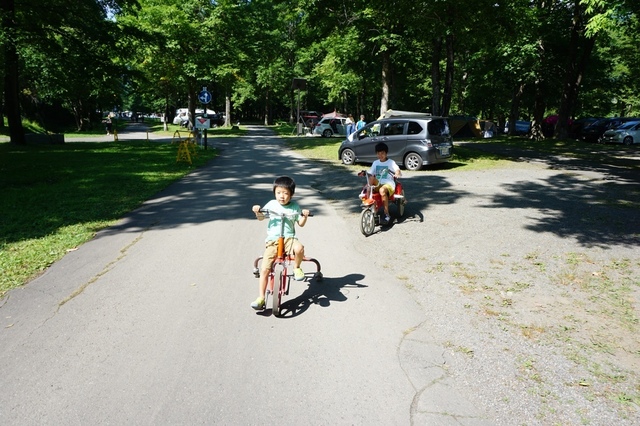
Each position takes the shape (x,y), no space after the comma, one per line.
(268,213)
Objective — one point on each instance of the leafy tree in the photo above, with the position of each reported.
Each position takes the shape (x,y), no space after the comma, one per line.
(56,51)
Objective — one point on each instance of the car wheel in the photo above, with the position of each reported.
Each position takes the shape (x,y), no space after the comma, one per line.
(327,133)
(348,157)
(412,161)
(628,140)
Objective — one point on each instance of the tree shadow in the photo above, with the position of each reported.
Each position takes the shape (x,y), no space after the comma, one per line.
(596,214)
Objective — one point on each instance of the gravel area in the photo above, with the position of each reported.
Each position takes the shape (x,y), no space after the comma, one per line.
(529,276)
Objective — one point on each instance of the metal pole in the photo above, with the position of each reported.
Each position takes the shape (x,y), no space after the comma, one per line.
(298,116)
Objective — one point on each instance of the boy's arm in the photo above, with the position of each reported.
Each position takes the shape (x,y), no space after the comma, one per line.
(302,219)
(396,172)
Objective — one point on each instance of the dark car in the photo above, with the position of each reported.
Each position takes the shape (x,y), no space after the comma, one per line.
(595,130)
(413,141)
(577,126)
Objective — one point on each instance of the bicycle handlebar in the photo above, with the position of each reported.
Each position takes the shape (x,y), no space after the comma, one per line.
(268,213)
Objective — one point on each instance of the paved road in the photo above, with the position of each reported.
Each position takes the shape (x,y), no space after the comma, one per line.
(149,323)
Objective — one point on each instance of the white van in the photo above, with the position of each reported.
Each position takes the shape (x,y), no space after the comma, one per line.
(182,114)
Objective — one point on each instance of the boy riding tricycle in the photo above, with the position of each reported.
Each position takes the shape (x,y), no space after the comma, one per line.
(383,186)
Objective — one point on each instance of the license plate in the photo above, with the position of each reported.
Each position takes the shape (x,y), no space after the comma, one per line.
(444,150)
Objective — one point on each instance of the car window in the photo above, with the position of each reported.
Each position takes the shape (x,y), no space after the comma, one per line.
(438,127)
(393,128)
(370,131)
(414,128)
(628,125)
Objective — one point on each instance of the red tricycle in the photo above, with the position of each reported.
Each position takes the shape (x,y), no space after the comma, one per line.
(280,276)
(372,203)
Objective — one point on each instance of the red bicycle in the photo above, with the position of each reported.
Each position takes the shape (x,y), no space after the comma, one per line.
(372,203)
(279,276)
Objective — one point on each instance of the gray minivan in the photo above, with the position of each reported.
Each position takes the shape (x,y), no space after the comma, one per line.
(413,142)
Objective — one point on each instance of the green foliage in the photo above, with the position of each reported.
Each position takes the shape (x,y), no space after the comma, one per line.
(155,55)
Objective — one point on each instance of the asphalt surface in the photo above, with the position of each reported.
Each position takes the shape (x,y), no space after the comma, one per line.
(149,323)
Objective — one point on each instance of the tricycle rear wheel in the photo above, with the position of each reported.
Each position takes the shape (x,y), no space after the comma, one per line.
(400,203)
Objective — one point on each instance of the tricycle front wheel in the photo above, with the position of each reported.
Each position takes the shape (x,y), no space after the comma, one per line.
(278,276)
(367,222)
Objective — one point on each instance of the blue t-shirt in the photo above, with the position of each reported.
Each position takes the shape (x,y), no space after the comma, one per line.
(273,227)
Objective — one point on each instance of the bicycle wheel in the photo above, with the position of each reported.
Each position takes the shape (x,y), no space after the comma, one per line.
(278,285)
(367,222)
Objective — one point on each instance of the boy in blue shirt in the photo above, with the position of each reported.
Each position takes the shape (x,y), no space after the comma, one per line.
(382,174)
(283,189)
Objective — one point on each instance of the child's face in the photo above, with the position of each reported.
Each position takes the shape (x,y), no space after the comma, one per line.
(382,156)
(283,196)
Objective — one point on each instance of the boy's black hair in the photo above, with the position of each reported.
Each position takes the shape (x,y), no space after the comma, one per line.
(381,146)
(284,182)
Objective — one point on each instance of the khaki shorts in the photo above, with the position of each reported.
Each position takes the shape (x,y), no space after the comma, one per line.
(271,251)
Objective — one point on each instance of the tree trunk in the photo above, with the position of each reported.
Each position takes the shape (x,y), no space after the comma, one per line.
(435,76)
(11,75)
(539,107)
(574,71)
(227,108)
(514,113)
(266,107)
(386,83)
(191,105)
(448,77)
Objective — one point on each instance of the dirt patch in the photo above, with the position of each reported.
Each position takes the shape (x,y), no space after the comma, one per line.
(530,273)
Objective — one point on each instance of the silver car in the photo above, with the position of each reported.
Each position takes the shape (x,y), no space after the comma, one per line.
(627,133)
(329,126)
(413,142)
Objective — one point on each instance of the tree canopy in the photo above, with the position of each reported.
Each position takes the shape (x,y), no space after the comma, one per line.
(69,62)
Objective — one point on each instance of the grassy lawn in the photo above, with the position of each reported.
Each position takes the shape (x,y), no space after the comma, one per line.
(467,158)
(56,197)
(326,149)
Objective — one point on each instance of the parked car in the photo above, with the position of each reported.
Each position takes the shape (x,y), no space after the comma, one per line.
(330,125)
(594,131)
(522,127)
(413,142)
(182,115)
(627,133)
(215,120)
(577,126)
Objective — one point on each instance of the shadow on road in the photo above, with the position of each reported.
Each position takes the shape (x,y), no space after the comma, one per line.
(321,293)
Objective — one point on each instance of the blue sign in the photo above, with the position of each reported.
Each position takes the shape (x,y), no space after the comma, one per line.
(204,97)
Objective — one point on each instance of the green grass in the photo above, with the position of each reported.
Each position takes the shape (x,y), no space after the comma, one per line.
(56,197)
(326,149)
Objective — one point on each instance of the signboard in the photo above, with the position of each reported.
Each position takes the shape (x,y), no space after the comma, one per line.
(204,96)
(203,123)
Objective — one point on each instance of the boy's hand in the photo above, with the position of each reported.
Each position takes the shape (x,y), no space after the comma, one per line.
(306,213)
(259,214)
